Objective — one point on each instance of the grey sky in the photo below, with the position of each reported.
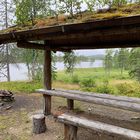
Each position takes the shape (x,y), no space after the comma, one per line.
(90,52)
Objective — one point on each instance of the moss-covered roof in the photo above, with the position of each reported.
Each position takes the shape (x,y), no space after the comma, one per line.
(123,11)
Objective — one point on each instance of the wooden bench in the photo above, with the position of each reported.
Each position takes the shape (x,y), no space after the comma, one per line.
(122,102)
(71,124)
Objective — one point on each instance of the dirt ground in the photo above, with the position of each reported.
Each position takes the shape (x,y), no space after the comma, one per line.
(16,122)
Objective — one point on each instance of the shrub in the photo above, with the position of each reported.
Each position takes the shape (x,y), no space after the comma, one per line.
(129,89)
(106,89)
(88,82)
(75,79)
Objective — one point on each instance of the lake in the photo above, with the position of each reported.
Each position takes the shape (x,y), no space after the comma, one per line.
(20,73)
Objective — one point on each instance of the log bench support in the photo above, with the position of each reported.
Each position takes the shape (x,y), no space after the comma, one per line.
(70,104)
(47,104)
(70,132)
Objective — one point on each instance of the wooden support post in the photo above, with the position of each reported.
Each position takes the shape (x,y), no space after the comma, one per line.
(47,81)
(47,104)
(70,104)
(70,132)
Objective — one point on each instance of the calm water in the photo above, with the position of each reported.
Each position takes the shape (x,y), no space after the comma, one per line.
(20,72)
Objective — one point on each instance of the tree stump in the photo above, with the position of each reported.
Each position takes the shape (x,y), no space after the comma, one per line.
(39,125)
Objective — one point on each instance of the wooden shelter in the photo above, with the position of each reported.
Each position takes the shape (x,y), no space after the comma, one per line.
(110,33)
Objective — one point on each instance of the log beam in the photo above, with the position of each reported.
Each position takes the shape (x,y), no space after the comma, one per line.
(29,45)
(47,81)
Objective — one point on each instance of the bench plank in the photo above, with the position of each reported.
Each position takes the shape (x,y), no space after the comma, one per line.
(107,96)
(98,126)
(96,100)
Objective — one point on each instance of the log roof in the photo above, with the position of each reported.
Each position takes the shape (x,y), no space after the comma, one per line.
(106,33)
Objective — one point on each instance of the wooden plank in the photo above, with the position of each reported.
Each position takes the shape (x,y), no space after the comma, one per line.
(47,81)
(99,126)
(70,132)
(105,96)
(96,100)
(70,104)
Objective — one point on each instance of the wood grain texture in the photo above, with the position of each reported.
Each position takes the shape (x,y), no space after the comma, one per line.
(99,126)
(96,100)
(47,82)
(70,132)
(109,33)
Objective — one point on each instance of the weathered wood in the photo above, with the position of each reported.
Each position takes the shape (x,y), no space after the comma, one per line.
(70,104)
(96,100)
(70,132)
(101,33)
(29,45)
(47,70)
(47,104)
(99,126)
(105,96)
(37,46)
(47,82)
(39,125)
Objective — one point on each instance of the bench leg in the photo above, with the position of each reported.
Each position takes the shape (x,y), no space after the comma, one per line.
(70,132)
(70,104)
(47,104)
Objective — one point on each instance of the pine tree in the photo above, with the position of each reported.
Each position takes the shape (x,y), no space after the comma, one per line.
(108,61)
(69,61)
(5,22)
(135,63)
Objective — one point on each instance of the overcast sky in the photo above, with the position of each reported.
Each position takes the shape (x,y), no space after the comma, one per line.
(90,52)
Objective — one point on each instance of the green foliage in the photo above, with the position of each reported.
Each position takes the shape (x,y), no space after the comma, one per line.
(75,79)
(87,82)
(121,59)
(135,63)
(129,89)
(108,61)
(90,4)
(28,10)
(108,89)
(69,61)
(70,6)
(54,72)
(26,87)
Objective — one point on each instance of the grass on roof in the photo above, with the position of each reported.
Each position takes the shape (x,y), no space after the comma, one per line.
(114,12)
